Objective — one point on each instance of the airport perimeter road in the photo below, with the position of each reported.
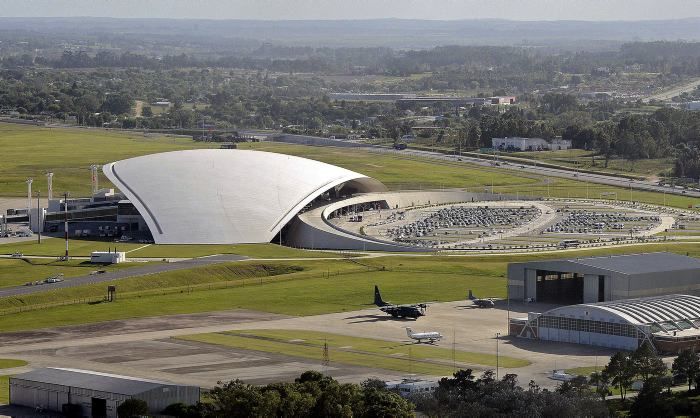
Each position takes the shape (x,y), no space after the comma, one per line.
(150,268)
(543,171)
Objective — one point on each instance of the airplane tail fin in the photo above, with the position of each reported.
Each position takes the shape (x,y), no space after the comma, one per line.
(409,331)
(471,295)
(378,297)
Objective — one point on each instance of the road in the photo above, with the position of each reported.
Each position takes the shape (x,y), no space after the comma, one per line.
(608,180)
(675,91)
(149,268)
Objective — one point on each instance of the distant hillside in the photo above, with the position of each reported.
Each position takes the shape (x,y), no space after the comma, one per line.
(394,33)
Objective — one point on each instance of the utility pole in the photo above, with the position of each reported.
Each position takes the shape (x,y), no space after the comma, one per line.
(65,223)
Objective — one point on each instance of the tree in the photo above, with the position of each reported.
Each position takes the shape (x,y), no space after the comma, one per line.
(620,372)
(117,104)
(687,364)
(132,408)
(652,401)
(647,362)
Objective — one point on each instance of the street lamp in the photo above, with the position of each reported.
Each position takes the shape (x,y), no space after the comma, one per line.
(498,334)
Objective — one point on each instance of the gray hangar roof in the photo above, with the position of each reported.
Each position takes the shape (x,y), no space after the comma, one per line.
(628,264)
(214,196)
(85,379)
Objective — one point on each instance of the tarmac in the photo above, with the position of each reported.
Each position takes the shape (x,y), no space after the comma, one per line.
(146,347)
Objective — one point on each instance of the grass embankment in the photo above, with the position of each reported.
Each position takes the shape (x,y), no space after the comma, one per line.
(313,287)
(14,272)
(31,151)
(584,371)
(55,247)
(389,355)
(302,287)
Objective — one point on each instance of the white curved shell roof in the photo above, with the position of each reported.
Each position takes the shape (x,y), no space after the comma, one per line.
(225,196)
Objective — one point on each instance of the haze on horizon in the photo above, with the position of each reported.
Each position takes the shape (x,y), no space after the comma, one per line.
(528,10)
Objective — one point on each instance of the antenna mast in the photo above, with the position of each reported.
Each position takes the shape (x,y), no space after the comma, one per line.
(49,182)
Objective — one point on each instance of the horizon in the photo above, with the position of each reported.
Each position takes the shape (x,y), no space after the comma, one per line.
(332,10)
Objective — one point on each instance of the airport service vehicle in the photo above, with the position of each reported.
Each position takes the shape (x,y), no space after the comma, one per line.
(420,336)
(399,311)
(481,303)
(561,375)
(17,255)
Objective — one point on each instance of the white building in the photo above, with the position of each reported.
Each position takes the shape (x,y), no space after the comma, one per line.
(529,144)
(105,257)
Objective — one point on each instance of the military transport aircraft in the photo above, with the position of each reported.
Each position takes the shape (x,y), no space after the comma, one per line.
(420,336)
(399,311)
(482,303)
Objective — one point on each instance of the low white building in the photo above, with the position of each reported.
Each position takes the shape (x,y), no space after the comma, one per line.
(93,394)
(105,257)
(517,143)
(408,387)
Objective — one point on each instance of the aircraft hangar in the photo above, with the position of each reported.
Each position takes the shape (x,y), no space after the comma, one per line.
(601,279)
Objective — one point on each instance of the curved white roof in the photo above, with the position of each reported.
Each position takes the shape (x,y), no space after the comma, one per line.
(642,311)
(225,196)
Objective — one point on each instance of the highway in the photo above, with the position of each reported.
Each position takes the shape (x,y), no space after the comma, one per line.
(146,269)
(540,171)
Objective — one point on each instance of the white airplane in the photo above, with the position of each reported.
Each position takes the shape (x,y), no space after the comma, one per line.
(420,336)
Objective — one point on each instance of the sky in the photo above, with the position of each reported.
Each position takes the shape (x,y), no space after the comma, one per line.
(358,9)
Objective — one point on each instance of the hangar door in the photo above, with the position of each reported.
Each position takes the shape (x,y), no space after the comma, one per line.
(559,287)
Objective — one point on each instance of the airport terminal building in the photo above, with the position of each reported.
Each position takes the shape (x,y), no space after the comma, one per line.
(601,279)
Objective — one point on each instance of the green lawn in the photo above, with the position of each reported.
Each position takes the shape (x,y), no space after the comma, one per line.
(8,363)
(300,287)
(31,151)
(55,247)
(588,160)
(15,272)
(389,355)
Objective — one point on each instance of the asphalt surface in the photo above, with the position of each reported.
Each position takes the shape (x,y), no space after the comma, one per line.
(149,268)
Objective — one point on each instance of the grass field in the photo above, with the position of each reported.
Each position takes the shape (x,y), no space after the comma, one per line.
(31,151)
(588,160)
(299,287)
(55,247)
(412,173)
(389,355)
(8,363)
(15,272)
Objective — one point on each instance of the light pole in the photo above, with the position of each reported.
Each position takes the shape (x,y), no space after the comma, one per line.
(498,334)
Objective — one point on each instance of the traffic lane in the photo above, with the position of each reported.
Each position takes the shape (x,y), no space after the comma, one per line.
(151,268)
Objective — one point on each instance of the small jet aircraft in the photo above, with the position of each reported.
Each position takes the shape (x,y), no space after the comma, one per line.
(481,303)
(399,311)
(420,336)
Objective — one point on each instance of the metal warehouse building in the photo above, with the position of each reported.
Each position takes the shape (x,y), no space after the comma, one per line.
(670,323)
(601,279)
(97,394)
